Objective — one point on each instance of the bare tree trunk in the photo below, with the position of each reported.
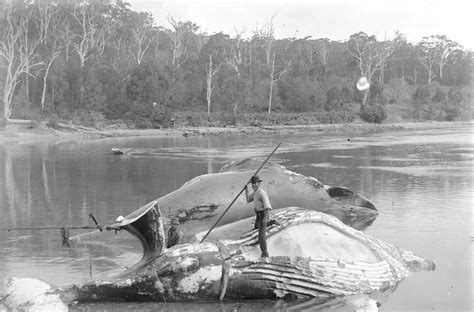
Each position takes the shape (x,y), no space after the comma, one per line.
(45,81)
(366,92)
(273,80)
(323,57)
(272,72)
(86,41)
(430,91)
(235,109)
(43,94)
(156,44)
(143,37)
(17,58)
(56,48)
(209,86)
(268,34)
(270,98)
(27,90)
(364,99)
(27,85)
(415,74)
(179,45)
(429,78)
(382,72)
(6,109)
(210,73)
(82,88)
(65,34)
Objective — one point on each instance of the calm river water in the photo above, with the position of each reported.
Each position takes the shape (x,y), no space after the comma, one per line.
(421,182)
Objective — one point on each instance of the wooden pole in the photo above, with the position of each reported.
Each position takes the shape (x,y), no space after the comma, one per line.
(256,172)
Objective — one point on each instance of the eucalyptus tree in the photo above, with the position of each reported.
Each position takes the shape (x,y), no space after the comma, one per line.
(323,52)
(215,51)
(370,55)
(275,77)
(235,54)
(211,71)
(266,36)
(434,53)
(403,63)
(429,58)
(442,49)
(180,34)
(86,38)
(142,36)
(301,88)
(18,53)
(458,70)
(52,41)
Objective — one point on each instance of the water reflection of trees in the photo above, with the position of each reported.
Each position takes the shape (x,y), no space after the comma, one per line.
(52,185)
(46,185)
(7,190)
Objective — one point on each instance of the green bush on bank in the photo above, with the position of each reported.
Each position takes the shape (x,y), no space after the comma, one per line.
(88,118)
(441,103)
(221,119)
(397,102)
(373,113)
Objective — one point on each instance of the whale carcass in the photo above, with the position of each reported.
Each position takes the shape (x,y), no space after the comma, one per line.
(202,200)
(312,255)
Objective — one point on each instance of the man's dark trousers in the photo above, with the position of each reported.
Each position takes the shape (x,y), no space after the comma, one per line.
(261,225)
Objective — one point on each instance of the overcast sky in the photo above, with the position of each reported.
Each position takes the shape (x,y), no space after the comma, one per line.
(333,19)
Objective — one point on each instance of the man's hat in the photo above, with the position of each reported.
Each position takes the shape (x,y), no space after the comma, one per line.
(175,221)
(255,178)
(362,84)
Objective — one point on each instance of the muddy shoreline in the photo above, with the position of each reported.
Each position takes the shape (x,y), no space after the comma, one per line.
(24,134)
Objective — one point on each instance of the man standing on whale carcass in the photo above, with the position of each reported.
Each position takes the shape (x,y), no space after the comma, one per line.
(262,209)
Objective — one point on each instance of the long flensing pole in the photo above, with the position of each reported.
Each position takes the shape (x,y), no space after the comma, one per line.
(85,227)
(256,172)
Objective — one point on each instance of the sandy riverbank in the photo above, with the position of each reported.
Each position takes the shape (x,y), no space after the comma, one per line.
(24,133)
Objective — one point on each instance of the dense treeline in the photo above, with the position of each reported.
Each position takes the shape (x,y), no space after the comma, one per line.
(87,62)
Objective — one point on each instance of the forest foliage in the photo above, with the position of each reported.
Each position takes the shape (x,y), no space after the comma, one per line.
(89,62)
